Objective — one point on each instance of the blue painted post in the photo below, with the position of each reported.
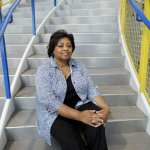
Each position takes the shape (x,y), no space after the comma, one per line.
(4,63)
(55,3)
(33,17)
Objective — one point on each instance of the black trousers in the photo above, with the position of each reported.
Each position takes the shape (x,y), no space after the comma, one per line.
(75,135)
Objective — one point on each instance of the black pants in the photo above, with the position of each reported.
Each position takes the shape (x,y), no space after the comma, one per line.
(75,135)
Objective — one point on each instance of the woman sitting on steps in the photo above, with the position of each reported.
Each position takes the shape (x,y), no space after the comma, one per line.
(69,107)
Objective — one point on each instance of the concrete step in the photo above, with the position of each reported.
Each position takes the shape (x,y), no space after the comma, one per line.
(90,62)
(86,12)
(36,144)
(22,124)
(83,28)
(16,51)
(37,8)
(28,14)
(14,61)
(95,4)
(130,141)
(2,93)
(38,2)
(83,48)
(116,95)
(85,53)
(20,29)
(11,71)
(25,21)
(117,76)
(21,38)
(2,102)
(91,1)
(110,76)
(83,20)
(111,38)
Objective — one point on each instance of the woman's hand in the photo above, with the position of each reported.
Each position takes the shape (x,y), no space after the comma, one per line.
(91,118)
(103,114)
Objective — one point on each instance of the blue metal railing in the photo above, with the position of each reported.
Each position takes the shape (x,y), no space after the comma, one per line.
(33,17)
(3,25)
(4,63)
(55,2)
(139,13)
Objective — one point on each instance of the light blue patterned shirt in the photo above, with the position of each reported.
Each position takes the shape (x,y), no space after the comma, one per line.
(51,89)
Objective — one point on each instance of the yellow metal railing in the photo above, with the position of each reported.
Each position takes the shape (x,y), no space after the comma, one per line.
(136,36)
(5,2)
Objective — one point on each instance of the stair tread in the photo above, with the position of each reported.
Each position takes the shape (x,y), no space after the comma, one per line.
(80,34)
(89,18)
(78,25)
(11,71)
(132,141)
(119,113)
(98,17)
(2,101)
(92,71)
(105,90)
(79,44)
(103,55)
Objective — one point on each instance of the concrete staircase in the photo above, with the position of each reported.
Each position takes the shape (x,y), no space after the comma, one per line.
(18,35)
(94,24)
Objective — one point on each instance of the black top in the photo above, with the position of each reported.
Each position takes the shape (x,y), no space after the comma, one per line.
(71,97)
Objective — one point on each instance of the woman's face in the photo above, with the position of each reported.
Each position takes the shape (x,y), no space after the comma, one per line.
(63,49)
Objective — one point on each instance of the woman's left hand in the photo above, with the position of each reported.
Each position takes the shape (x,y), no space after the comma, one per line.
(103,114)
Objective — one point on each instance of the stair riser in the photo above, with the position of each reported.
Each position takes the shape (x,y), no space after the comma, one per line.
(113,100)
(84,54)
(12,63)
(16,51)
(99,4)
(25,21)
(21,39)
(99,80)
(96,62)
(121,100)
(81,12)
(93,62)
(106,28)
(38,8)
(19,29)
(88,38)
(95,49)
(29,14)
(118,127)
(91,1)
(1,106)
(2,81)
(84,20)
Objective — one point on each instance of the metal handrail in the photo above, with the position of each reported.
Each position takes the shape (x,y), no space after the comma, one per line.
(33,17)
(139,12)
(3,25)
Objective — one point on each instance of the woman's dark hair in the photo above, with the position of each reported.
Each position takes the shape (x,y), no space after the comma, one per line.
(55,37)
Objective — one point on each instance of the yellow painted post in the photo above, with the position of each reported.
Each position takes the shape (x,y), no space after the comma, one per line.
(123,15)
(147,12)
(0,3)
(144,58)
(5,3)
(145,44)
